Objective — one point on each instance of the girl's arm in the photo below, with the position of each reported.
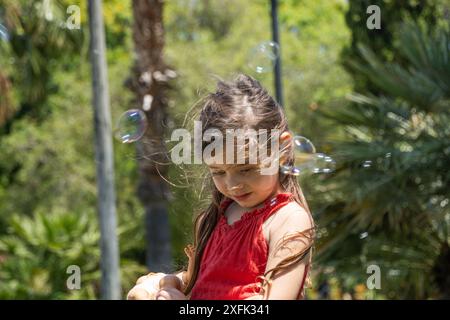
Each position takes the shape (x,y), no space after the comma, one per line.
(288,221)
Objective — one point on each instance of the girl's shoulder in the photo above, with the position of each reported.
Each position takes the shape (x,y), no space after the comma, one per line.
(293,208)
(290,218)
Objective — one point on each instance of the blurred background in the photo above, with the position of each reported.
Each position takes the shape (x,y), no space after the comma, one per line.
(372,94)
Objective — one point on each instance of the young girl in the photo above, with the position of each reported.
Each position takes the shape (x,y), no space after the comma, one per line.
(254,240)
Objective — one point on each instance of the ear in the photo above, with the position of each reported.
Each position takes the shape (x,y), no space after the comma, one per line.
(285,144)
(285,137)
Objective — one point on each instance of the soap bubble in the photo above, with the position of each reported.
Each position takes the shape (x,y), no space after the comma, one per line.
(323,163)
(262,57)
(4,34)
(131,126)
(307,160)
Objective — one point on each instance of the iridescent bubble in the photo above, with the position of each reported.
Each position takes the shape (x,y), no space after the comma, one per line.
(323,49)
(394,272)
(4,34)
(290,170)
(304,151)
(262,57)
(323,163)
(367,164)
(307,160)
(304,156)
(295,171)
(285,169)
(131,126)
(304,145)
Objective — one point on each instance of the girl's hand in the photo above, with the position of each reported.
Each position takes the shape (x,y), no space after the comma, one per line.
(146,287)
(170,294)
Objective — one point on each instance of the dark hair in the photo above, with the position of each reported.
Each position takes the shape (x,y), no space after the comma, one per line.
(244,103)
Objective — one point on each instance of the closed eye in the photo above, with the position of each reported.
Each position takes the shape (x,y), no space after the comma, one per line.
(252,169)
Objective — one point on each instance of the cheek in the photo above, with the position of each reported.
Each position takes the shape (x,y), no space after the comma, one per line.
(219,184)
(263,181)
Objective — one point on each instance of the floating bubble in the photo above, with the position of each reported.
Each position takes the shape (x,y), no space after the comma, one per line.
(304,145)
(304,151)
(290,170)
(4,34)
(285,169)
(307,160)
(295,171)
(323,163)
(131,126)
(262,57)
(367,164)
(323,49)
(394,272)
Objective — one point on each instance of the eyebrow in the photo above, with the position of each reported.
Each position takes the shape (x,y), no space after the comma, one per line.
(214,167)
(234,166)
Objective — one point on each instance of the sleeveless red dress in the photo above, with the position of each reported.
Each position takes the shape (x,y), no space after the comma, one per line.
(236,254)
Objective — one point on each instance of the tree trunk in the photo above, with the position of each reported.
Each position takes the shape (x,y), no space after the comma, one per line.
(441,271)
(5,99)
(149,82)
(104,156)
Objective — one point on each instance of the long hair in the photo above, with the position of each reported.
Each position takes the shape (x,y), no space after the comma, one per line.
(244,103)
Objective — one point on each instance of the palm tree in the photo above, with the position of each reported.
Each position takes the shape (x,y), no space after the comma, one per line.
(149,82)
(37,251)
(382,40)
(33,38)
(5,98)
(37,36)
(388,199)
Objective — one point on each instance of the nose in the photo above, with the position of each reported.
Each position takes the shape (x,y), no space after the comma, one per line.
(237,187)
(234,184)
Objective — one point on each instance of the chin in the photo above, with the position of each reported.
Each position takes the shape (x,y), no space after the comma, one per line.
(245,204)
(249,203)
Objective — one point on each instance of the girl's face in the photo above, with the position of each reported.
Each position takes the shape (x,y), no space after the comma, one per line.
(244,183)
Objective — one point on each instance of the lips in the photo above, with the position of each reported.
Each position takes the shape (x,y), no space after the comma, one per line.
(242,196)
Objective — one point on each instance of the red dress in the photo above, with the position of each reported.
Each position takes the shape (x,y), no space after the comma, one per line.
(236,254)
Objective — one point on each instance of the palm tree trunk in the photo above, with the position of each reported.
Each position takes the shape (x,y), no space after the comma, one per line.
(441,272)
(109,246)
(5,99)
(149,82)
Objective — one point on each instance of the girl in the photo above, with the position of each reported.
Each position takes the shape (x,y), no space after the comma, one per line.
(254,240)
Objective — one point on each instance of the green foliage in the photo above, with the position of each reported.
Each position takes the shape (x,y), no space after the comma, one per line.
(55,181)
(312,35)
(37,253)
(38,39)
(47,167)
(381,41)
(388,201)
